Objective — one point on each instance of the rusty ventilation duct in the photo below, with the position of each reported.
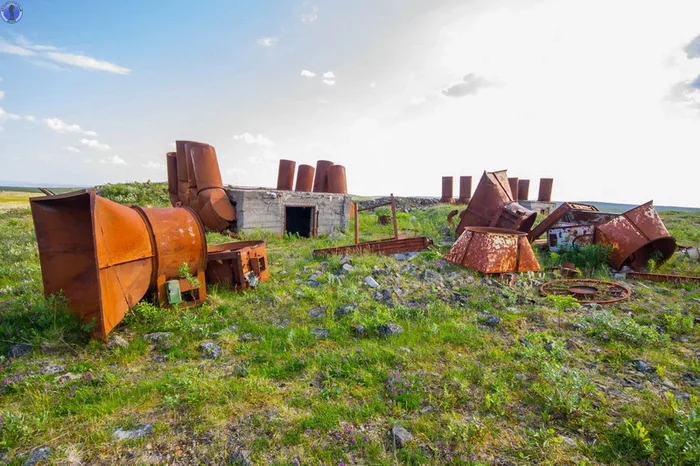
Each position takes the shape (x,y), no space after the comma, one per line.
(513,183)
(545,193)
(493,250)
(447,190)
(285,176)
(337,181)
(465,189)
(171,163)
(523,190)
(104,257)
(321,176)
(305,178)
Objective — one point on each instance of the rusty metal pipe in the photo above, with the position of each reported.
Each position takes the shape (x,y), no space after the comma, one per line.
(285,175)
(305,178)
(545,193)
(447,190)
(171,160)
(321,177)
(337,182)
(513,182)
(523,190)
(212,203)
(465,189)
(183,185)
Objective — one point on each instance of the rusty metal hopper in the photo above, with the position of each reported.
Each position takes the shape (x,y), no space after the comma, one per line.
(104,256)
(493,250)
(636,236)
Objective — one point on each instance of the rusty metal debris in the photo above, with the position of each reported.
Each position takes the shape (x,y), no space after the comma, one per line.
(451,216)
(635,237)
(239,265)
(47,192)
(384,247)
(493,250)
(513,183)
(569,222)
(104,257)
(660,277)
(587,290)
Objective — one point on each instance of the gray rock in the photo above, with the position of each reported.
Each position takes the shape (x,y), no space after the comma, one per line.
(210,350)
(37,456)
(346,259)
(320,333)
(359,330)
(404,349)
(140,431)
(280,323)
(431,275)
(643,366)
(318,312)
(51,369)
(19,350)
(312,283)
(115,341)
(405,256)
(226,331)
(342,311)
(491,320)
(314,276)
(159,338)
(590,306)
(240,369)
(346,268)
(568,440)
(390,329)
(247,337)
(240,458)
(384,296)
(371,282)
(400,437)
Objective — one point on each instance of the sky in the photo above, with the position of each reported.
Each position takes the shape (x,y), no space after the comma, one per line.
(603,96)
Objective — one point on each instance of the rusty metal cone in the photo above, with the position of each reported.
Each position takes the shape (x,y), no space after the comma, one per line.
(493,250)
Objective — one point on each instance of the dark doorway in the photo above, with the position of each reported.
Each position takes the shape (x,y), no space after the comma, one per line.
(299,220)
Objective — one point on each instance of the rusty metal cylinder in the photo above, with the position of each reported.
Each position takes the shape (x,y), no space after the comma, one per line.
(337,182)
(545,193)
(205,167)
(465,189)
(285,175)
(523,190)
(191,180)
(183,185)
(321,176)
(305,178)
(447,189)
(513,182)
(171,161)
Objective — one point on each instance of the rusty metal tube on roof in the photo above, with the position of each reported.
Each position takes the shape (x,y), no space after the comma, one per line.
(465,189)
(447,190)
(523,190)
(285,175)
(493,250)
(305,178)
(545,192)
(104,256)
(337,182)
(513,183)
(171,161)
(321,176)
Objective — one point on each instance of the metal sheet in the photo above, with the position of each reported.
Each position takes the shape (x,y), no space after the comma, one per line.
(493,250)
(206,167)
(183,185)
(385,247)
(513,182)
(570,213)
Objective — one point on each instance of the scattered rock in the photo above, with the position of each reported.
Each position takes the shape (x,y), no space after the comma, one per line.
(491,320)
(577,326)
(384,296)
(67,377)
(404,349)
(11,379)
(568,440)
(161,339)
(240,369)
(248,337)
(346,259)
(159,358)
(346,268)
(342,311)
(359,330)
(210,350)
(226,331)
(426,410)
(405,256)
(115,341)
(140,431)
(549,346)
(590,306)
(371,282)
(320,333)
(318,312)
(51,369)
(240,458)
(400,436)
(37,456)
(390,329)
(19,350)
(280,323)
(663,291)
(431,275)
(643,366)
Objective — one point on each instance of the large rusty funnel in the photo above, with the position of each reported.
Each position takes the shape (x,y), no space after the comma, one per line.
(493,250)
(171,161)
(285,176)
(465,189)
(523,190)
(513,183)
(545,192)
(305,178)
(636,236)
(104,256)
(213,205)
(321,176)
(337,183)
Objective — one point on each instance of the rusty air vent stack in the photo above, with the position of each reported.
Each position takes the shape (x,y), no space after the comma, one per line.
(305,178)
(636,236)
(465,189)
(212,203)
(337,182)
(447,190)
(545,193)
(183,184)
(523,190)
(493,250)
(104,256)
(285,176)
(321,177)
(171,162)
(513,182)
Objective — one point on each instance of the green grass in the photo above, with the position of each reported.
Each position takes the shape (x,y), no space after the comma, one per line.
(552,384)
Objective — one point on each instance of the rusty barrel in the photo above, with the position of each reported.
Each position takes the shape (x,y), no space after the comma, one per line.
(305,178)
(447,190)
(337,182)
(513,183)
(523,190)
(493,250)
(321,176)
(545,192)
(465,189)
(285,175)
(171,163)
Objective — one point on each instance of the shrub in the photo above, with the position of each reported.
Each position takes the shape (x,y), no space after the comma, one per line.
(625,328)
(587,257)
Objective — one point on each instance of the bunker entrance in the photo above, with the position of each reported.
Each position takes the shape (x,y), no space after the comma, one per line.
(299,220)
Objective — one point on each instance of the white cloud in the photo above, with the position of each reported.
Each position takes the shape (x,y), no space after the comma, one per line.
(12,49)
(268,41)
(90,133)
(93,144)
(115,160)
(59,126)
(83,61)
(152,164)
(308,74)
(329,74)
(259,140)
(329,82)
(31,118)
(73,149)
(311,16)
(4,116)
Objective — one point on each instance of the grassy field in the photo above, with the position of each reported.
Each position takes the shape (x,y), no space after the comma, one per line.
(480,374)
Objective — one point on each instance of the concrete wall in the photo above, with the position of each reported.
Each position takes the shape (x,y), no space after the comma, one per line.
(265,209)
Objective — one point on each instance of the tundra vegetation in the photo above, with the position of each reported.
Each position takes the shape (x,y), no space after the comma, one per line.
(438,365)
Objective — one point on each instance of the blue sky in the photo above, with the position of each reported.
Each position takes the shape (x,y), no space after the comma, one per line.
(400,91)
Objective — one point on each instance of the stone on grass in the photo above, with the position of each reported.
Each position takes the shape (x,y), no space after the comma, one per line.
(346,259)
(400,436)
(491,320)
(431,275)
(19,350)
(390,329)
(115,341)
(405,256)
(240,458)
(643,366)
(320,333)
(159,338)
(246,337)
(37,456)
(346,268)
(140,431)
(342,311)
(371,282)
(51,369)
(359,330)
(318,312)
(210,350)
(568,440)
